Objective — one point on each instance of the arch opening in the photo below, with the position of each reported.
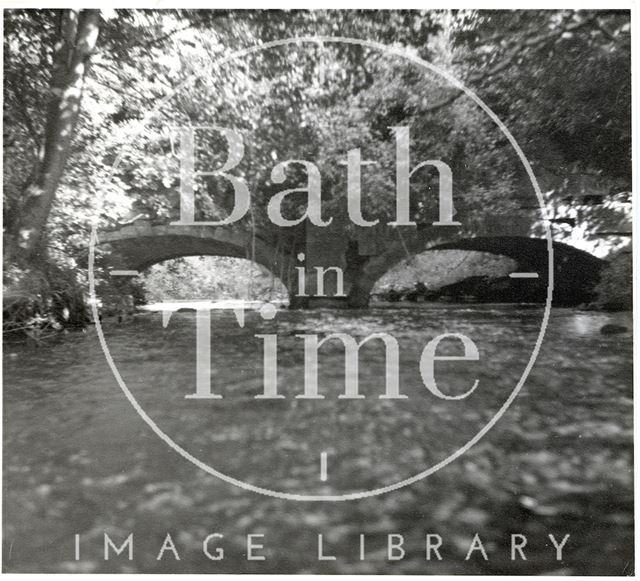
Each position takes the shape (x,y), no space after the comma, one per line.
(453,275)
(575,272)
(210,279)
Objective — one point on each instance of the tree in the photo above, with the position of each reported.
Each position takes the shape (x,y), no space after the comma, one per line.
(75,40)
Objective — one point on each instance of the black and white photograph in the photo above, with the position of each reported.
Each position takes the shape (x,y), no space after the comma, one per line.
(318,290)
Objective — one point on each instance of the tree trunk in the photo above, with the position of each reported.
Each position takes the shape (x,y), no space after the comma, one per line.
(76,42)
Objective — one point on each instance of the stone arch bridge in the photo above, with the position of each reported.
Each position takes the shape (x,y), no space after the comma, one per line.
(363,257)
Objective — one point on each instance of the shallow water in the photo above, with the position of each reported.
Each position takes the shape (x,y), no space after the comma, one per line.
(79,460)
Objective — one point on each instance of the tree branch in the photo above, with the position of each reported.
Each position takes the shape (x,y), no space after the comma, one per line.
(536,42)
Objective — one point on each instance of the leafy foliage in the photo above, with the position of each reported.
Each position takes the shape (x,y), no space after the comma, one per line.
(210,277)
(559,79)
(441,267)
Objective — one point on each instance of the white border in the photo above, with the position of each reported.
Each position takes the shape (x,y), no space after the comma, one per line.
(417,4)
(331,5)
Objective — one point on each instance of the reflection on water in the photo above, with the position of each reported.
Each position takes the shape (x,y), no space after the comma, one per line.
(78,459)
(226,304)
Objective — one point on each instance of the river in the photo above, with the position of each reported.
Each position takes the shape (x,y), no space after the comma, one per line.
(79,460)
